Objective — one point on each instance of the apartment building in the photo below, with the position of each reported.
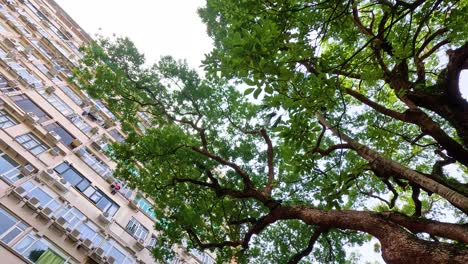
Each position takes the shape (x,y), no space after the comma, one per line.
(57,201)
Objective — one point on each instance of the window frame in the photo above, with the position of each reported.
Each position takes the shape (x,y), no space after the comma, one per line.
(12,175)
(7,120)
(94,194)
(35,140)
(137,229)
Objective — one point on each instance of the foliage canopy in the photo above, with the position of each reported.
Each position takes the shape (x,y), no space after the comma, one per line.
(358,111)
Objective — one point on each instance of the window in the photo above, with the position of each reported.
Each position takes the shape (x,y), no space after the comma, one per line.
(145,206)
(29,106)
(152,242)
(45,198)
(58,103)
(39,250)
(3,29)
(96,196)
(72,215)
(42,68)
(10,226)
(9,169)
(6,120)
(97,165)
(116,135)
(72,94)
(125,190)
(136,229)
(80,123)
(121,256)
(65,137)
(89,231)
(104,108)
(202,256)
(30,78)
(32,143)
(5,86)
(177,260)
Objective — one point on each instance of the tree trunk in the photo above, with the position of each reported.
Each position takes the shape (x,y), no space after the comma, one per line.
(397,244)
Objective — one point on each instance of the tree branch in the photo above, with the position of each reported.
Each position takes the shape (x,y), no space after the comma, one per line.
(299,255)
(386,166)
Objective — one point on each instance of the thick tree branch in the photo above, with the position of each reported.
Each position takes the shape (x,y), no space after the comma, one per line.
(421,119)
(386,166)
(270,160)
(305,252)
(242,173)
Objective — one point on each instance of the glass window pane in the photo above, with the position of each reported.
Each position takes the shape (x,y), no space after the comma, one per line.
(6,221)
(24,243)
(11,235)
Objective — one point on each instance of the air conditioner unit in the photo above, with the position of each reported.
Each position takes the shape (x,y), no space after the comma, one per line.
(62,184)
(110,260)
(49,174)
(94,130)
(53,136)
(74,235)
(61,224)
(27,169)
(105,218)
(98,254)
(80,152)
(133,204)
(87,245)
(31,117)
(110,179)
(19,192)
(139,245)
(50,89)
(33,203)
(46,213)
(55,151)
(85,102)
(76,143)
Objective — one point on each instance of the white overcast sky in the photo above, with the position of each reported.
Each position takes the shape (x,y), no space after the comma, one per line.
(157,27)
(162,27)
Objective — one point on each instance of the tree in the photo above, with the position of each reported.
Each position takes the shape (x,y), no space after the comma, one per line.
(357,116)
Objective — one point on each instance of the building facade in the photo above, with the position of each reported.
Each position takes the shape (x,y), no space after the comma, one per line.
(58,199)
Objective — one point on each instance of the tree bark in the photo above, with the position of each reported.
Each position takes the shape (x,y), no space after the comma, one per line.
(398,245)
(386,166)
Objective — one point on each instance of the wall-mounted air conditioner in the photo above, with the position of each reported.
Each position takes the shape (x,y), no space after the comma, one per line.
(74,235)
(61,224)
(87,245)
(31,117)
(53,136)
(33,203)
(50,89)
(76,143)
(94,130)
(55,151)
(27,169)
(46,213)
(49,174)
(110,260)
(19,192)
(139,244)
(80,152)
(105,218)
(62,184)
(98,254)
(133,204)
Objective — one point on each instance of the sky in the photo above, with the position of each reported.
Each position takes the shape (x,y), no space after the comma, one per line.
(163,27)
(157,27)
